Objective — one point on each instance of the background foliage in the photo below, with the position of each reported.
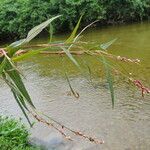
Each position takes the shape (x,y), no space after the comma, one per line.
(13,135)
(19,16)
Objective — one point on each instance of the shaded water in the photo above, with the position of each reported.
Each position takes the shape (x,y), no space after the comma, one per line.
(126,127)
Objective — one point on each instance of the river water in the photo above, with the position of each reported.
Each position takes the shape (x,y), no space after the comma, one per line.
(126,127)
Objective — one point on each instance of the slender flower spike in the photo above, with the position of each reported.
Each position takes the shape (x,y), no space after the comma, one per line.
(144,89)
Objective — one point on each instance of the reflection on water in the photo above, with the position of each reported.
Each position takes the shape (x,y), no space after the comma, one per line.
(126,127)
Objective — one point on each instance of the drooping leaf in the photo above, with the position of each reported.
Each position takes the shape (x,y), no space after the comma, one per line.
(70,56)
(21,107)
(75,94)
(15,76)
(109,79)
(18,97)
(6,65)
(15,90)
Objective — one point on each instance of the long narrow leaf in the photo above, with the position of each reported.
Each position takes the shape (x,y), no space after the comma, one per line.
(108,70)
(17,43)
(70,56)
(75,94)
(26,55)
(51,32)
(84,29)
(3,65)
(36,30)
(104,46)
(109,79)
(31,34)
(73,34)
(21,107)
(14,75)
(17,97)
(15,89)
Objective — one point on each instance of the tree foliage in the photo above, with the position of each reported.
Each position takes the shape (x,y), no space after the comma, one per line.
(19,16)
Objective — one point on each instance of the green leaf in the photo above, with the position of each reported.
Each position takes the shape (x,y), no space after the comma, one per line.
(14,47)
(10,83)
(109,79)
(33,32)
(36,30)
(18,97)
(75,94)
(17,43)
(26,55)
(108,70)
(14,75)
(3,65)
(21,107)
(104,46)
(51,32)
(73,34)
(70,56)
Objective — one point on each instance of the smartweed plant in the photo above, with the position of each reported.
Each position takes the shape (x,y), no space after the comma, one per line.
(19,50)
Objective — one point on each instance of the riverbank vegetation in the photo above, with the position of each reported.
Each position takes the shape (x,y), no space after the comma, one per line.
(17,17)
(13,135)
